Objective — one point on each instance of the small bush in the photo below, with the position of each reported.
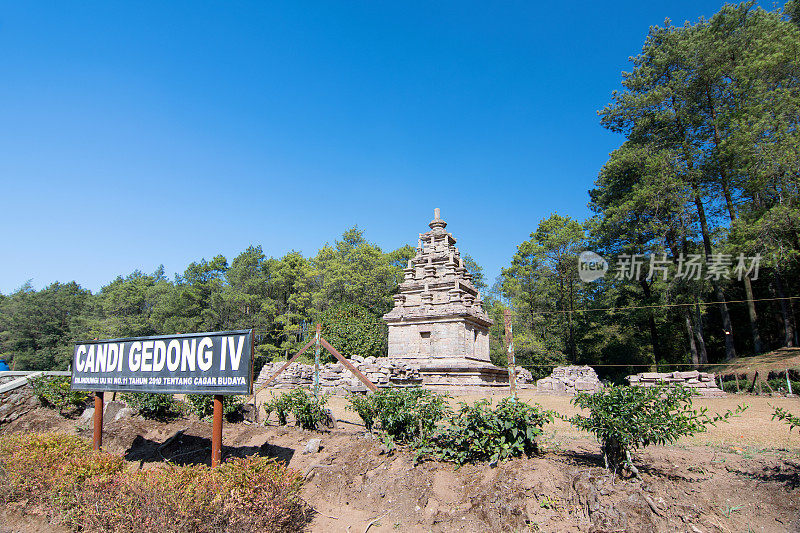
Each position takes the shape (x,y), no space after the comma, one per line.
(253,494)
(309,412)
(153,406)
(202,405)
(403,413)
(50,469)
(477,432)
(627,418)
(782,414)
(364,407)
(55,392)
(91,491)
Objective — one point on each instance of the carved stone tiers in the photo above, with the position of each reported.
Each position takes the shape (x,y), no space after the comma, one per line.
(438,319)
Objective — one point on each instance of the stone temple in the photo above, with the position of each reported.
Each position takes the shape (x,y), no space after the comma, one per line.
(438,321)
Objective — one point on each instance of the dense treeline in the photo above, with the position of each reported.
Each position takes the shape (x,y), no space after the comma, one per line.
(350,282)
(707,178)
(709,170)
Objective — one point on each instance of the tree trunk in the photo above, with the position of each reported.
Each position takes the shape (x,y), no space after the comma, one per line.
(751,311)
(701,341)
(651,322)
(727,326)
(788,327)
(690,334)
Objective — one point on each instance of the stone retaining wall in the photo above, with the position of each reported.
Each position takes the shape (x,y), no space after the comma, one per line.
(16,402)
(382,372)
(703,382)
(569,380)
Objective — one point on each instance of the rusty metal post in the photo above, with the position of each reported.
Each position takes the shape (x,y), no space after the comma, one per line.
(316,359)
(512,363)
(216,432)
(97,437)
(370,385)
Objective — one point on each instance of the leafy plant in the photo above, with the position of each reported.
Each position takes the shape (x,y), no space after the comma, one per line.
(784,415)
(627,418)
(309,412)
(153,406)
(55,392)
(403,413)
(203,405)
(478,432)
(364,407)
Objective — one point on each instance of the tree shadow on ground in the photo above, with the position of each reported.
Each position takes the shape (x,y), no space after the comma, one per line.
(789,475)
(183,450)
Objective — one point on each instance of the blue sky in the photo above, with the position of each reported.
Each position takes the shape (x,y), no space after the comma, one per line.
(136,134)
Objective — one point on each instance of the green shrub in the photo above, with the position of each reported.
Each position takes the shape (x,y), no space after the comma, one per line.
(626,418)
(364,407)
(153,406)
(477,432)
(55,392)
(309,412)
(782,414)
(202,405)
(403,413)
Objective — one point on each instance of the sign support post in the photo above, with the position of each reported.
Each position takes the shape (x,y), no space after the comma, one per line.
(216,432)
(97,437)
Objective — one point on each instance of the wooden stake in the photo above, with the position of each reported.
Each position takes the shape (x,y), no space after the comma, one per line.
(97,437)
(788,381)
(216,432)
(512,363)
(316,359)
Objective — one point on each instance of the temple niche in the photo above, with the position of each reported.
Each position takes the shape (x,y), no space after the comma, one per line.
(438,321)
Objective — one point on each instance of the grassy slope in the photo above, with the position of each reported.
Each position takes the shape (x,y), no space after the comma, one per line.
(775,361)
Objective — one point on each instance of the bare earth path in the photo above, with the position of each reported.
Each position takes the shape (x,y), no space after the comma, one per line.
(741,476)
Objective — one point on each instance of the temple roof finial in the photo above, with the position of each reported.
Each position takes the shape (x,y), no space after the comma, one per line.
(437,223)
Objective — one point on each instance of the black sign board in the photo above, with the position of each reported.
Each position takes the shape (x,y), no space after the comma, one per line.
(198,363)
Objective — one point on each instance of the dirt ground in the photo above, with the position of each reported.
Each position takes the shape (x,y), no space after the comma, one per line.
(741,476)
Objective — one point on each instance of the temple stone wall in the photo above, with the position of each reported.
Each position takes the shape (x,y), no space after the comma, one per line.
(438,340)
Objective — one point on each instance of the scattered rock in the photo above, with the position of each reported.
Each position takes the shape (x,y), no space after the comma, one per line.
(125,412)
(312,446)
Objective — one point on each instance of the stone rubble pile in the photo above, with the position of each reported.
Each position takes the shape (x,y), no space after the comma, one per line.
(569,380)
(380,371)
(703,382)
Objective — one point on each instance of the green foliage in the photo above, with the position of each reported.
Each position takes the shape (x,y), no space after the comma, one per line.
(478,432)
(784,415)
(404,414)
(353,330)
(364,407)
(153,406)
(92,491)
(309,412)
(202,405)
(55,392)
(625,419)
